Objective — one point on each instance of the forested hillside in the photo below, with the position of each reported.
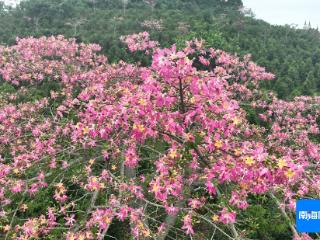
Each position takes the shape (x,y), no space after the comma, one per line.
(292,54)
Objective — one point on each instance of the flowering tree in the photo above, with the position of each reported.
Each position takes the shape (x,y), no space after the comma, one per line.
(153,24)
(166,150)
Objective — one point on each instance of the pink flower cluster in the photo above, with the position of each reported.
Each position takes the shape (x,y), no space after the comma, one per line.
(133,144)
(139,42)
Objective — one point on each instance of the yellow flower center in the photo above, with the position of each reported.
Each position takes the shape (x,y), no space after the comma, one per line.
(218,144)
(85,130)
(107,220)
(249,161)
(236,121)
(290,173)
(215,218)
(138,127)
(282,163)
(142,102)
(237,152)
(94,179)
(173,154)
(155,188)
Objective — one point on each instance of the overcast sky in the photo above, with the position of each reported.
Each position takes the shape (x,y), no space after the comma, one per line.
(286,11)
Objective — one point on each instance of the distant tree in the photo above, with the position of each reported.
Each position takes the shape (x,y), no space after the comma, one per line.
(151,3)
(75,24)
(124,6)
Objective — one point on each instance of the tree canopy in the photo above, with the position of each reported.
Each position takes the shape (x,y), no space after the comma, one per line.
(292,54)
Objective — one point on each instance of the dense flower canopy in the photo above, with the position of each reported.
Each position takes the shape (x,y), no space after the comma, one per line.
(154,147)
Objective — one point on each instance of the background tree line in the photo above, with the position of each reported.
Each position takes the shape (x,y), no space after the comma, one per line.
(292,54)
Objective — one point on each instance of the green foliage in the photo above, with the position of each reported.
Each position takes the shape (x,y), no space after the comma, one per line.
(265,224)
(292,54)
(213,39)
(6,87)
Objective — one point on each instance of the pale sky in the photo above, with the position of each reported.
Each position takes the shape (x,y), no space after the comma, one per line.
(282,12)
